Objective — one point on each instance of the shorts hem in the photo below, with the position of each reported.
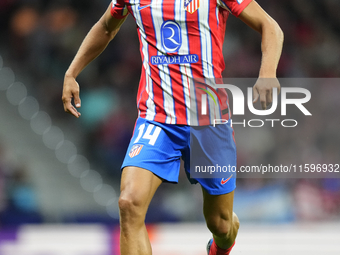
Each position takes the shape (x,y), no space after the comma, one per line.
(219,192)
(147,168)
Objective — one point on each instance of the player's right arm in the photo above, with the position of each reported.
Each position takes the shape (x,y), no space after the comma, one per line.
(272,41)
(94,43)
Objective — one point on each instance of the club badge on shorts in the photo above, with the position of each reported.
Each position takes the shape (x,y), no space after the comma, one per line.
(135,150)
(191,5)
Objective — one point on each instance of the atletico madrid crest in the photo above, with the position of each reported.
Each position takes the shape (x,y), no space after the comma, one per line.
(135,150)
(191,5)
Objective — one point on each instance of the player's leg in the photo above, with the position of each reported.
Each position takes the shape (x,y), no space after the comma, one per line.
(156,147)
(221,221)
(137,189)
(215,149)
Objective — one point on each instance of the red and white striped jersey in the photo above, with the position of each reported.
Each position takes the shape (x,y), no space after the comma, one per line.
(180,40)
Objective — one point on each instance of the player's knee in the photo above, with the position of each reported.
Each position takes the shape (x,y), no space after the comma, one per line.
(223,226)
(220,227)
(130,206)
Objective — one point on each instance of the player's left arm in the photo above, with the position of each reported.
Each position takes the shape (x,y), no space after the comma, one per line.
(272,42)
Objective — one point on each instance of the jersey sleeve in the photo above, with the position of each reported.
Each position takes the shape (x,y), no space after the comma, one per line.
(119,9)
(235,6)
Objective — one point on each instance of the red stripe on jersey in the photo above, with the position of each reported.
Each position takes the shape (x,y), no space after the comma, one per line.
(142,95)
(218,26)
(237,6)
(195,47)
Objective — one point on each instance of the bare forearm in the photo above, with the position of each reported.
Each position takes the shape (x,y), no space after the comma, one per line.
(94,44)
(272,41)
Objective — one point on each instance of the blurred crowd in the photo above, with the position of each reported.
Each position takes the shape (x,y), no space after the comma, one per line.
(18,199)
(39,38)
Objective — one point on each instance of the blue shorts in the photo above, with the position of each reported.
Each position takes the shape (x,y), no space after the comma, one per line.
(158,147)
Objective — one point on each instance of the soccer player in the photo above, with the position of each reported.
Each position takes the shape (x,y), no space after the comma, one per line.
(179,40)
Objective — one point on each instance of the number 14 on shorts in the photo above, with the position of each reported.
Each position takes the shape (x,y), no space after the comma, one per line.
(150,134)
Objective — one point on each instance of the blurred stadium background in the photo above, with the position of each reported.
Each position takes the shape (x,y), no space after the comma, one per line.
(59,177)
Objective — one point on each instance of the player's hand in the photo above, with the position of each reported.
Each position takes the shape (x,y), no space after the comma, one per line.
(263,90)
(71,90)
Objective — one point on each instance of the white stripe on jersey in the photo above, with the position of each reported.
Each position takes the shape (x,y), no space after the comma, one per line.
(151,108)
(217,16)
(185,69)
(164,73)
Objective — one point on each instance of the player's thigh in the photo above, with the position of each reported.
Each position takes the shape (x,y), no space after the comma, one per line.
(157,147)
(138,187)
(217,208)
(211,159)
